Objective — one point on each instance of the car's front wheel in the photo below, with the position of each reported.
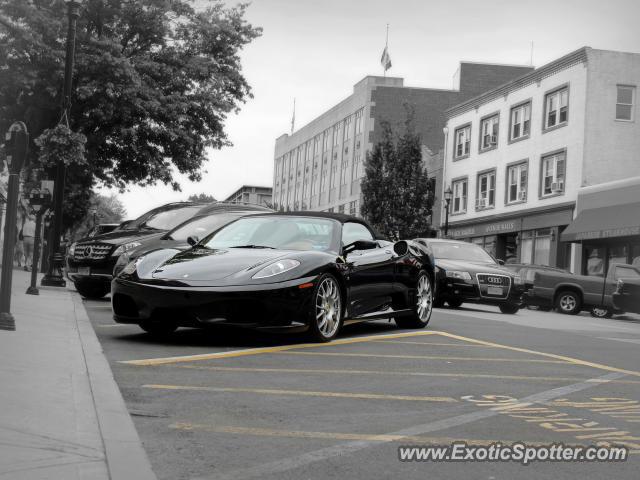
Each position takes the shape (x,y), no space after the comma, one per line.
(454,302)
(569,302)
(422,305)
(325,317)
(92,291)
(509,308)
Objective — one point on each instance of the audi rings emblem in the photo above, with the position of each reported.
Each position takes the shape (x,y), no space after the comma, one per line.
(494,280)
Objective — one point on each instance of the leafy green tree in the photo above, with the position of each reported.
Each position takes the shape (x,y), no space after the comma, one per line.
(109,209)
(153,84)
(396,193)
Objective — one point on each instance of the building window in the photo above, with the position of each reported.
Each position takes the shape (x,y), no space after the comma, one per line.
(359,121)
(520,121)
(347,127)
(358,169)
(553,168)
(556,108)
(459,196)
(517,178)
(314,184)
(334,175)
(336,135)
(353,208)
(323,183)
(486,191)
(343,173)
(624,102)
(462,136)
(325,140)
(341,208)
(489,132)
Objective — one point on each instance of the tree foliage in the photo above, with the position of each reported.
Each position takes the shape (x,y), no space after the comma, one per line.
(395,189)
(109,209)
(202,198)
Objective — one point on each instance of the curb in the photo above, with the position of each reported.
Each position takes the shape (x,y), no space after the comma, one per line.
(125,456)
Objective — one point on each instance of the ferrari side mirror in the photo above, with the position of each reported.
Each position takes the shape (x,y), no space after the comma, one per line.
(192,240)
(401,248)
(359,245)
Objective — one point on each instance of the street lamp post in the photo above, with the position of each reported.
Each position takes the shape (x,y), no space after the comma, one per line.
(54,272)
(448,195)
(39,202)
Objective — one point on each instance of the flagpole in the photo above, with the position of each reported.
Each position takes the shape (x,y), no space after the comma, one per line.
(386,45)
(293,117)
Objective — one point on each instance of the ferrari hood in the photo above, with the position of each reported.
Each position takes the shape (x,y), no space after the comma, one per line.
(201,264)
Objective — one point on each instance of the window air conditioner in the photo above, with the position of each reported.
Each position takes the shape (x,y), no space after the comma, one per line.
(493,140)
(522,195)
(482,203)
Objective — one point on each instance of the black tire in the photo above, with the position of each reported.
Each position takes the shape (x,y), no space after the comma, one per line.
(92,291)
(159,328)
(568,302)
(601,312)
(421,304)
(454,302)
(509,308)
(327,300)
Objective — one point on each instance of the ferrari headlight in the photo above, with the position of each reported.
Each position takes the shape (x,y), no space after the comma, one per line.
(125,248)
(277,268)
(131,267)
(458,274)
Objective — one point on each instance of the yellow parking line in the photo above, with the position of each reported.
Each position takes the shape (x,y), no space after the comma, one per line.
(435,344)
(269,432)
(564,358)
(261,350)
(305,393)
(423,357)
(400,373)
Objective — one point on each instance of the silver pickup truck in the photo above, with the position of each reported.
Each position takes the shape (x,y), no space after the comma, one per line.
(571,294)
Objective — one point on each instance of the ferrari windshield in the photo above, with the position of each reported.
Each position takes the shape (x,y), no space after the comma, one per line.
(460,251)
(283,233)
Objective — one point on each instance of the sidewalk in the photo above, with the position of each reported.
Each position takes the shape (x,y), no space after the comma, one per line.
(61,413)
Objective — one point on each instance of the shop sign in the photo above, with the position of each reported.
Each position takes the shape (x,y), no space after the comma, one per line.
(613,232)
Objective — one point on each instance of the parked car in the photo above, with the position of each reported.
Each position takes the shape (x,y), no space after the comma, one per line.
(527,272)
(465,272)
(208,220)
(571,294)
(90,261)
(627,295)
(308,271)
(101,228)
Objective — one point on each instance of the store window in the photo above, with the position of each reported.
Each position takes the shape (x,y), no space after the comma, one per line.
(617,254)
(542,251)
(635,255)
(490,245)
(526,247)
(595,259)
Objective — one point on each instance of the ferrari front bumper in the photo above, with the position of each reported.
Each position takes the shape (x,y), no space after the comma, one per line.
(274,305)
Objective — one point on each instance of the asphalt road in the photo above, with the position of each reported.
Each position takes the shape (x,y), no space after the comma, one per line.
(238,404)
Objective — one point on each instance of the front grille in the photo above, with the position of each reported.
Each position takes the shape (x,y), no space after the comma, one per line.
(92,251)
(488,280)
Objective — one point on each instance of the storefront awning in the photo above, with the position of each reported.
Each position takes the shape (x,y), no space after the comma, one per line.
(605,222)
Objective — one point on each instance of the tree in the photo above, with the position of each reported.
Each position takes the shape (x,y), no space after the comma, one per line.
(153,84)
(109,209)
(202,198)
(396,188)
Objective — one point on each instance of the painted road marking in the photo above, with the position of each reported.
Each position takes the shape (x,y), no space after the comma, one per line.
(435,344)
(269,432)
(424,357)
(261,350)
(575,361)
(343,449)
(305,393)
(400,373)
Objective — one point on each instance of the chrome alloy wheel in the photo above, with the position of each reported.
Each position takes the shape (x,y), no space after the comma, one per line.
(567,303)
(328,307)
(424,295)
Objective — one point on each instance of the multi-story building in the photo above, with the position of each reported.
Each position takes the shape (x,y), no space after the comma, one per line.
(517,155)
(319,167)
(251,194)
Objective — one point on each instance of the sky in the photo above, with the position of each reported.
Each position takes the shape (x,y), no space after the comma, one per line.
(316,50)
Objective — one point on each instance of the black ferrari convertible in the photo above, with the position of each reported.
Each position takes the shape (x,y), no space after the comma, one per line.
(306,271)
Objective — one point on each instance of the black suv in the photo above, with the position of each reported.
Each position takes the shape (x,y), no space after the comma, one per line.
(465,272)
(90,261)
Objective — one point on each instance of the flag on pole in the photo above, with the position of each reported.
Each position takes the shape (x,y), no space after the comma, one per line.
(293,117)
(386,59)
